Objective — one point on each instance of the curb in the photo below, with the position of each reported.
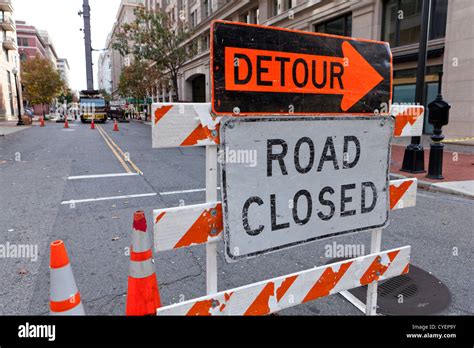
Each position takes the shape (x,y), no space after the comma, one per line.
(428,186)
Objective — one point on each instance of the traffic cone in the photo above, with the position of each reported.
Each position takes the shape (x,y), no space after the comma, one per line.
(143,297)
(92,124)
(64,296)
(41,121)
(66,123)
(116,126)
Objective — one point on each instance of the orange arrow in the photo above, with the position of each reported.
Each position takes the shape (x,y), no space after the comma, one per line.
(358,79)
(251,70)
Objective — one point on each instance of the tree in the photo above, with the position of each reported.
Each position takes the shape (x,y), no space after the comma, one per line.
(154,37)
(41,80)
(105,94)
(66,96)
(136,79)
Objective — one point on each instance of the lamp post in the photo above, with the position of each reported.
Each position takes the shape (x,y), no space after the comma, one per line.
(413,160)
(20,121)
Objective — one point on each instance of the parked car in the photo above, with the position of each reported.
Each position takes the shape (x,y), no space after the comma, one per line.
(116,113)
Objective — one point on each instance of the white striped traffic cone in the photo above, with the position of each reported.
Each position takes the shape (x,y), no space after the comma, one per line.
(143,297)
(64,296)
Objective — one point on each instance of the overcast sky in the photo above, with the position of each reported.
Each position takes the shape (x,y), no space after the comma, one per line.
(60,19)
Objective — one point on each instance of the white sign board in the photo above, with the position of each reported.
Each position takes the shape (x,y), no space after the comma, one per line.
(292,180)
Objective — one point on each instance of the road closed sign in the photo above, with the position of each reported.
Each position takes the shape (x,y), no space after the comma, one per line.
(268,70)
(292,180)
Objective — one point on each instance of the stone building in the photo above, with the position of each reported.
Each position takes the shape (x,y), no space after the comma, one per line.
(9,63)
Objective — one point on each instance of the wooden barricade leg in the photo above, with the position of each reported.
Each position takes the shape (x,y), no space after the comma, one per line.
(371,305)
(211,196)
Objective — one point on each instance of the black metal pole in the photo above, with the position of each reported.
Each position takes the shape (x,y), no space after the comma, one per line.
(20,121)
(88,45)
(413,160)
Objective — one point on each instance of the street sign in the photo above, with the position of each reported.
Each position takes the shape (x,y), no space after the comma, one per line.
(292,180)
(269,70)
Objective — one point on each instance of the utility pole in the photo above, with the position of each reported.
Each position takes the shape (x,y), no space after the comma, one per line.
(86,12)
(414,160)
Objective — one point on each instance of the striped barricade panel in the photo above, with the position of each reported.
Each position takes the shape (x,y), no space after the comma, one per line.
(273,295)
(184,124)
(408,120)
(188,225)
(185,226)
(403,193)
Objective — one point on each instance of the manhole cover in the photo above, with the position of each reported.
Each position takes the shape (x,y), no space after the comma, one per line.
(415,293)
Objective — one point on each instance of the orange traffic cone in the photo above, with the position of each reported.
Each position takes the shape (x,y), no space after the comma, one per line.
(66,123)
(92,124)
(143,297)
(41,121)
(116,126)
(64,296)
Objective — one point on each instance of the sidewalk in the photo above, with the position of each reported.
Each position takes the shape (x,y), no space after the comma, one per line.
(458,172)
(9,127)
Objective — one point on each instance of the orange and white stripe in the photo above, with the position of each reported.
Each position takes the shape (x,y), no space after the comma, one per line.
(184,124)
(403,193)
(279,293)
(408,120)
(188,225)
(65,298)
(185,226)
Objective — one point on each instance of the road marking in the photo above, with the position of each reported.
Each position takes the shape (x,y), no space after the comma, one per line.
(124,165)
(126,158)
(108,198)
(79,177)
(183,191)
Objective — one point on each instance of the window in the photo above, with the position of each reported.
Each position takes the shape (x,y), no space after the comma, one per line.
(337,26)
(273,7)
(193,18)
(250,16)
(288,4)
(23,57)
(2,16)
(405,84)
(402,21)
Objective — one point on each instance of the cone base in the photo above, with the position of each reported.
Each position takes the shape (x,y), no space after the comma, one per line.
(143,297)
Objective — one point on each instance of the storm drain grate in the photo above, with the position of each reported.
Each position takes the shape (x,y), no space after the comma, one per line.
(415,293)
(421,293)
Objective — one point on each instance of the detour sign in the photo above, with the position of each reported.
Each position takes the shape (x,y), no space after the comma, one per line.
(260,69)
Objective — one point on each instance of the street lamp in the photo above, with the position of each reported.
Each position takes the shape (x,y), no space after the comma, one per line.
(20,121)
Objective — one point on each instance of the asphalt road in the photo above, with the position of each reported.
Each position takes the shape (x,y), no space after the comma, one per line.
(34,168)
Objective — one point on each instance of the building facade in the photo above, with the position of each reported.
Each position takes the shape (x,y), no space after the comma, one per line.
(9,64)
(64,69)
(37,43)
(450,46)
(30,41)
(49,48)
(125,14)
(104,77)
